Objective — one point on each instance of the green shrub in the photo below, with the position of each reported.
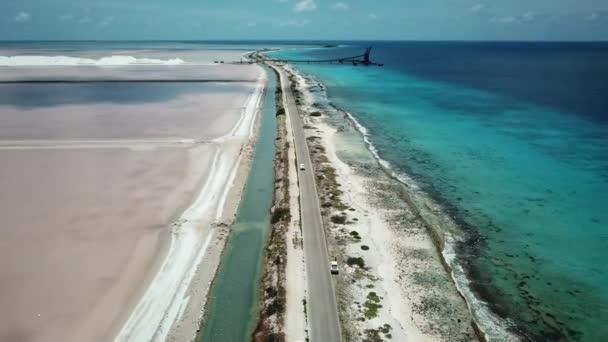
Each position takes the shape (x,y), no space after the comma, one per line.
(372,305)
(338,219)
(278,214)
(355,261)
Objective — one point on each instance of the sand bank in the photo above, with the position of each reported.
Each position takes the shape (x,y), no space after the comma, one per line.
(296,324)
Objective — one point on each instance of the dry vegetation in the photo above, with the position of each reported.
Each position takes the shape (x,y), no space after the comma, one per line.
(272,293)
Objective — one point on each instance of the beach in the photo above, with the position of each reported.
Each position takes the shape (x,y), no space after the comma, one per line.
(115,195)
(393,283)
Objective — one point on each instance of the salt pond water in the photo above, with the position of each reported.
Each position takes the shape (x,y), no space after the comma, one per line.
(232,309)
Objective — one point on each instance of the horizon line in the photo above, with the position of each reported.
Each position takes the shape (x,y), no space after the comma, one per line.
(309,40)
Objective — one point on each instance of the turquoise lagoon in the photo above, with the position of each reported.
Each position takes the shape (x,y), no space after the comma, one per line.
(523,171)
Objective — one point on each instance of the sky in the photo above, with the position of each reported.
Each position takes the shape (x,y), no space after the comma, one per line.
(304,19)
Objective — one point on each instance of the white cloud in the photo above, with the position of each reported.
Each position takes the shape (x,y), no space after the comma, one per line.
(504,20)
(66,17)
(85,20)
(477,8)
(85,17)
(305,5)
(22,17)
(528,16)
(340,6)
(294,22)
(105,22)
(372,16)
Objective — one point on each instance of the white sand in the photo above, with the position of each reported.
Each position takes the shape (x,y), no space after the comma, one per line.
(296,326)
(121,56)
(157,312)
(395,272)
(11,61)
(376,233)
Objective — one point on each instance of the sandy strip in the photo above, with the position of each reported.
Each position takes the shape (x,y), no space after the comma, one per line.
(166,297)
(403,292)
(157,312)
(296,326)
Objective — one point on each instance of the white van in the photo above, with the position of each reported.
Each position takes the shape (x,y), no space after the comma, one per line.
(333,267)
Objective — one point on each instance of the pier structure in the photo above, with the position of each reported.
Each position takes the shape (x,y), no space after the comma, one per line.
(363,59)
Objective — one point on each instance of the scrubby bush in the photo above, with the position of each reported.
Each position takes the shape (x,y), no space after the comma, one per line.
(278,214)
(351,261)
(338,219)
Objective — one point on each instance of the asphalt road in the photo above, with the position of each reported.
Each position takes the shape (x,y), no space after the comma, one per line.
(322,308)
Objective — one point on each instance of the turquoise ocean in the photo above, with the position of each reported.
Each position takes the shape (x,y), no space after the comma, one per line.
(511,139)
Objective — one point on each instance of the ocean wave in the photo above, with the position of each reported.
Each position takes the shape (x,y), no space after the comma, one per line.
(12,61)
(492,326)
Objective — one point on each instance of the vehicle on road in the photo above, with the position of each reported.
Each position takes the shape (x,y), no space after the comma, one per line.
(302,167)
(333,267)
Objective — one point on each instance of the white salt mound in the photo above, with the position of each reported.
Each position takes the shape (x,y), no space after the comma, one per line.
(69,61)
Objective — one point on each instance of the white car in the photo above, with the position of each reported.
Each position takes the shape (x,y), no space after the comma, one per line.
(333,267)
(302,167)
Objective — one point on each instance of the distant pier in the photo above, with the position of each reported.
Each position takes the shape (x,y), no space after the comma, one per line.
(363,59)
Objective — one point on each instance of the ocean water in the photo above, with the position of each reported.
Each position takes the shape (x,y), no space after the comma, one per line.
(512,140)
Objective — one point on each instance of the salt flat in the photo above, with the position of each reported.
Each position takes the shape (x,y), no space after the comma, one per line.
(124,111)
(209,71)
(80,230)
(110,194)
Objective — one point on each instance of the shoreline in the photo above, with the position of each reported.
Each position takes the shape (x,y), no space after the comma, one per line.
(446,245)
(328,139)
(198,237)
